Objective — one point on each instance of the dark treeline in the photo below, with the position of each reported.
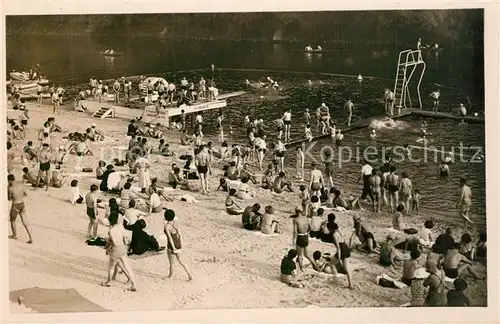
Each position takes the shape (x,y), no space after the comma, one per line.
(456,28)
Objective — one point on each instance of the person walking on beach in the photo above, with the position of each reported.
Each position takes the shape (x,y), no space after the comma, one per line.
(202,160)
(301,237)
(435,96)
(220,128)
(174,244)
(91,203)
(117,251)
(16,194)
(287,120)
(464,202)
(366,172)
(392,186)
(343,252)
(317,182)
(349,107)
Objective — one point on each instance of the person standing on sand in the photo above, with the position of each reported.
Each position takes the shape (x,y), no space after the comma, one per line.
(349,108)
(301,237)
(16,194)
(374,183)
(116,89)
(117,250)
(343,252)
(44,158)
(307,117)
(220,128)
(464,202)
(389,102)
(317,182)
(91,203)
(435,96)
(300,164)
(366,173)
(143,165)
(406,189)
(287,119)
(202,160)
(392,186)
(10,158)
(174,244)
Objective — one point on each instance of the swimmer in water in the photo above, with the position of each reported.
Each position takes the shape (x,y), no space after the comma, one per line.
(443,169)
(462,123)
(422,139)
(373,134)
(424,124)
(407,150)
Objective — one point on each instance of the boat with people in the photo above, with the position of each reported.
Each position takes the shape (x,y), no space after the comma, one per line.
(111,53)
(32,77)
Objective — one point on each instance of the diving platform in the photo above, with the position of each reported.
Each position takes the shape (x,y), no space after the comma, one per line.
(364,123)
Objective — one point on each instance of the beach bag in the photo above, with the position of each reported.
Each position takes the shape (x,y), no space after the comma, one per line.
(87,170)
(79,200)
(386,283)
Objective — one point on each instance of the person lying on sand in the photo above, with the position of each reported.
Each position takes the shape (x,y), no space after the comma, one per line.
(226,185)
(232,207)
(288,270)
(455,264)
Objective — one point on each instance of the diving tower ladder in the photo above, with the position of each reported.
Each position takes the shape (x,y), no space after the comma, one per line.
(408,61)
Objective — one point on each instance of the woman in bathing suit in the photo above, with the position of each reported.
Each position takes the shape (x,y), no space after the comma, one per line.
(343,252)
(232,207)
(406,189)
(435,282)
(173,242)
(117,250)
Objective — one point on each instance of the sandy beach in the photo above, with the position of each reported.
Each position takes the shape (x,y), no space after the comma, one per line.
(232,267)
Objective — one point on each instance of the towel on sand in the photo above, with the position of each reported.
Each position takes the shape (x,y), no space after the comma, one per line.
(446,279)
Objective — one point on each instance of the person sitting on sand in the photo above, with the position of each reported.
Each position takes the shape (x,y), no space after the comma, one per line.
(267,179)
(58,178)
(443,242)
(164,149)
(30,152)
(251,217)
(288,270)
(481,246)
(323,261)
(154,204)
(93,135)
(436,283)
(232,207)
(226,185)
(104,183)
(467,249)
(30,178)
(185,139)
(268,224)
(141,242)
(368,243)
(456,297)
(232,172)
(99,171)
(280,184)
(397,219)
(132,214)
(409,267)
(244,190)
(455,264)
(388,253)
(247,173)
(175,179)
(349,204)
(222,152)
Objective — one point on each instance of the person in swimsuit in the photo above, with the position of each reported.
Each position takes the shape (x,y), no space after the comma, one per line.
(92,213)
(117,250)
(280,184)
(58,177)
(202,164)
(365,237)
(268,225)
(287,120)
(174,245)
(349,107)
(44,158)
(16,194)
(409,268)
(280,151)
(406,189)
(388,254)
(435,96)
(232,207)
(343,252)
(435,281)
(317,181)
(467,248)
(220,128)
(392,186)
(374,192)
(443,169)
(349,204)
(455,264)
(301,237)
(307,117)
(389,102)
(464,202)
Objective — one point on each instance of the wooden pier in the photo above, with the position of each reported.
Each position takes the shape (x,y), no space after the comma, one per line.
(404,113)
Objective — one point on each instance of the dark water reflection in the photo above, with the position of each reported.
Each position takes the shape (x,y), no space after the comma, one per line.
(73,60)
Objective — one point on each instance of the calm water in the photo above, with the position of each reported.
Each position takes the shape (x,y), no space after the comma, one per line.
(73,60)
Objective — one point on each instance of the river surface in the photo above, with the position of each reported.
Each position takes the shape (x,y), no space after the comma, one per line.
(73,60)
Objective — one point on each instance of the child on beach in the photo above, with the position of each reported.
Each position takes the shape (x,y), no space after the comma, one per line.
(313,206)
(75,193)
(397,219)
(416,201)
(456,297)
(308,133)
(288,270)
(305,198)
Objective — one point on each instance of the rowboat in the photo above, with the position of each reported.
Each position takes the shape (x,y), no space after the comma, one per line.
(25,77)
(114,54)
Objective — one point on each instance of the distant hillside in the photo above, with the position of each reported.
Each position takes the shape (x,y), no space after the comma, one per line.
(451,27)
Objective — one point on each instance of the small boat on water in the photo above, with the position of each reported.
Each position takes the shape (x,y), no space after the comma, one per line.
(316,51)
(112,53)
(25,77)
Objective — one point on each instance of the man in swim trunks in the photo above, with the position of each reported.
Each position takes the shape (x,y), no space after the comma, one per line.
(464,201)
(375,193)
(16,194)
(287,120)
(10,158)
(392,186)
(250,217)
(455,264)
(349,107)
(280,183)
(435,96)
(202,160)
(301,237)
(44,158)
(317,182)
(389,102)
(30,178)
(58,178)
(91,203)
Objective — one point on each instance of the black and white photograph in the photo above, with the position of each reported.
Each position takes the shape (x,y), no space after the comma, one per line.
(247,160)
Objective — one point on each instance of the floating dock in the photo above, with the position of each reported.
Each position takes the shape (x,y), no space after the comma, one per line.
(404,113)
